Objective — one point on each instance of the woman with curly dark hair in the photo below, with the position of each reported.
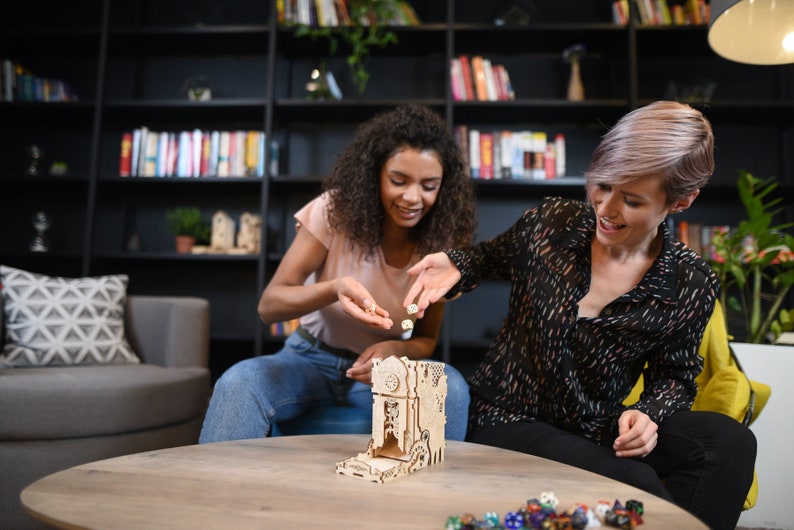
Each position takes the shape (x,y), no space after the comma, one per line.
(400,190)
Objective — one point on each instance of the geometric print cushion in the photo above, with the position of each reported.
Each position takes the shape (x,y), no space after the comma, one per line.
(63,321)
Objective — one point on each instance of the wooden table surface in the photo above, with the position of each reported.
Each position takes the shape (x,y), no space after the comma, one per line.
(291,482)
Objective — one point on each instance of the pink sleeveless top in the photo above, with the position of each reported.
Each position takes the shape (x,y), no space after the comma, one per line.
(387,285)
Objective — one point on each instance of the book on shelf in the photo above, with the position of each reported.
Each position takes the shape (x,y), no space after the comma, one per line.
(125,160)
(18,83)
(461,133)
(666,13)
(507,154)
(150,154)
(490,82)
(477,78)
(697,236)
(332,13)
(282,329)
(478,75)
(474,153)
(223,154)
(620,12)
(486,155)
(468,83)
(195,153)
(456,80)
(539,139)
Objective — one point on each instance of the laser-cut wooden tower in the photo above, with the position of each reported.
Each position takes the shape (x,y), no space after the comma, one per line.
(407,420)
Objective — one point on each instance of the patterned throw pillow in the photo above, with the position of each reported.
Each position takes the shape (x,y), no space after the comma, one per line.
(63,321)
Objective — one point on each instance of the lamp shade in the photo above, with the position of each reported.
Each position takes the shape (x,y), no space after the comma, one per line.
(753,31)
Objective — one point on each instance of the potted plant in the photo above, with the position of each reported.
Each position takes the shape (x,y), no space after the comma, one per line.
(188,227)
(755,264)
(365,28)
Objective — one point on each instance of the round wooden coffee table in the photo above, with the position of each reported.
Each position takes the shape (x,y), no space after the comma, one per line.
(291,482)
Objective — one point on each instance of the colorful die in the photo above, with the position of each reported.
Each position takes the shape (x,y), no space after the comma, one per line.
(547,498)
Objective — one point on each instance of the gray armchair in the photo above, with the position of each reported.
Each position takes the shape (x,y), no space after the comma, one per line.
(52,418)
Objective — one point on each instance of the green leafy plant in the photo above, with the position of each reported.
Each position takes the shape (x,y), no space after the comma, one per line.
(367,30)
(188,221)
(755,263)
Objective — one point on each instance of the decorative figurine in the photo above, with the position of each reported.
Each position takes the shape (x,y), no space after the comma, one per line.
(41,222)
(407,420)
(198,88)
(250,234)
(222,238)
(134,243)
(35,160)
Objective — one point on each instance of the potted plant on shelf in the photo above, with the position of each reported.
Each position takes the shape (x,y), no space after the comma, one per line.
(755,264)
(365,27)
(188,227)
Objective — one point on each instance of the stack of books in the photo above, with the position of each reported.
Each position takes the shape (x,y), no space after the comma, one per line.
(517,155)
(17,83)
(332,13)
(477,79)
(662,12)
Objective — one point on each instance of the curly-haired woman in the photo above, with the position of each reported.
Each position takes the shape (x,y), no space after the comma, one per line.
(400,190)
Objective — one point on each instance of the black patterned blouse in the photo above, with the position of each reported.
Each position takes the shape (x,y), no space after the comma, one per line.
(549,364)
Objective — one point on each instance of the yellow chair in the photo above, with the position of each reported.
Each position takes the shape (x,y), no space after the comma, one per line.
(722,385)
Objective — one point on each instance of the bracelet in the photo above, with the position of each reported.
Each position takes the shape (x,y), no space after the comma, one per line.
(541,513)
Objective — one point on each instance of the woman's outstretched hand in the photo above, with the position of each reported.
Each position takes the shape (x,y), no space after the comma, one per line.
(435,276)
(359,304)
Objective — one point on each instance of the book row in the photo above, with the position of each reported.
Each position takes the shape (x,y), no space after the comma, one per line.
(332,13)
(698,236)
(662,12)
(476,78)
(505,154)
(196,153)
(17,83)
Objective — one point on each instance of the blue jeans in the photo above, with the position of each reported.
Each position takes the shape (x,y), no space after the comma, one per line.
(255,392)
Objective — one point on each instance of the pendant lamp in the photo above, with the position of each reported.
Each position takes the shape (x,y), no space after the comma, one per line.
(753,31)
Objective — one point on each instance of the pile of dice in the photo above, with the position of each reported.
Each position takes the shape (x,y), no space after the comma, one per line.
(541,513)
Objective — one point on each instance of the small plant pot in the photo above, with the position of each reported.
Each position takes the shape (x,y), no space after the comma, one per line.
(184,244)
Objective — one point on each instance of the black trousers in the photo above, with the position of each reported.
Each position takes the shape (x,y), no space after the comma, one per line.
(703,461)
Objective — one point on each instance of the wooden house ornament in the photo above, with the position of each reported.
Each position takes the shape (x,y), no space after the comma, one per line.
(408,420)
(250,234)
(222,237)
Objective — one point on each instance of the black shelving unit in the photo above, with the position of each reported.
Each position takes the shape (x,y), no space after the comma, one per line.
(128,63)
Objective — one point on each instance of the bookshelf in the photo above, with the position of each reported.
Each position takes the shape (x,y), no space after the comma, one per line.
(128,63)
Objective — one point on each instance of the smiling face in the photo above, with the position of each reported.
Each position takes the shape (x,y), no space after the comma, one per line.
(628,215)
(409,185)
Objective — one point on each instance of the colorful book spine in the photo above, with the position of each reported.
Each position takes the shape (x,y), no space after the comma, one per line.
(474,153)
(125,160)
(486,155)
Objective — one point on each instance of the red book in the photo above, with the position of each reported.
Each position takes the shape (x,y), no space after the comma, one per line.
(125,162)
(468,85)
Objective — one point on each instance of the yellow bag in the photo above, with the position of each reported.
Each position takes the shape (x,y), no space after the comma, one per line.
(722,385)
